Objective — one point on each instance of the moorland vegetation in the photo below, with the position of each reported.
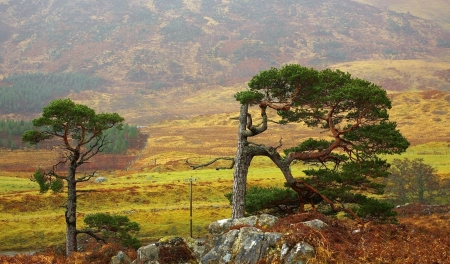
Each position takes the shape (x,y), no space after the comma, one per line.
(171,68)
(140,196)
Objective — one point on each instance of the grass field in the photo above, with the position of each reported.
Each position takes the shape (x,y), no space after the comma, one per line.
(159,202)
(153,190)
(157,198)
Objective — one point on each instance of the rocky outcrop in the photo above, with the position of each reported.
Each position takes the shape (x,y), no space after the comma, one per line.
(301,253)
(220,226)
(316,224)
(100,179)
(234,241)
(120,258)
(240,241)
(246,245)
(170,250)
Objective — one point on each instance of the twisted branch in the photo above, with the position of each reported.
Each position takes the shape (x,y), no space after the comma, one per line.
(194,167)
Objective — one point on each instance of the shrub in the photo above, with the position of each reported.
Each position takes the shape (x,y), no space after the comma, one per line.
(114,227)
(259,198)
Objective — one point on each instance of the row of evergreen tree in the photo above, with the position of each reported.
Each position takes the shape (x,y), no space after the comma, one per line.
(120,139)
(24,93)
(11,132)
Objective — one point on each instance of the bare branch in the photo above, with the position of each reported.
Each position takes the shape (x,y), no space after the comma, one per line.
(98,146)
(92,234)
(273,121)
(267,148)
(280,144)
(213,161)
(260,128)
(86,177)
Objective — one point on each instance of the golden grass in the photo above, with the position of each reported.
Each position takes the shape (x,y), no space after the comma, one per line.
(414,74)
(153,190)
(33,159)
(158,201)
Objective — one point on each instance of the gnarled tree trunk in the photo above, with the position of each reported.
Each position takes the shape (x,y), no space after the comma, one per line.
(71,207)
(242,163)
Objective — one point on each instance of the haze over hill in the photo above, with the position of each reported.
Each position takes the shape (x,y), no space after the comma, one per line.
(199,52)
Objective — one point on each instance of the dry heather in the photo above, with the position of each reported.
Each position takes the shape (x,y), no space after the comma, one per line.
(418,238)
(422,117)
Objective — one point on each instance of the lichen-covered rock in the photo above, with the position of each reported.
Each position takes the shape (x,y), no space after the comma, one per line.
(246,245)
(266,220)
(171,240)
(252,244)
(170,249)
(199,248)
(221,226)
(301,253)
(316,224)
(222,248)
(233,241)
(250,221)
(100,179)
(147,254)
(120,258)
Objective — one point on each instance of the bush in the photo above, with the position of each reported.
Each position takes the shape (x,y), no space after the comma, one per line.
(377,210)
(46,183)
(259,198)
(114,227)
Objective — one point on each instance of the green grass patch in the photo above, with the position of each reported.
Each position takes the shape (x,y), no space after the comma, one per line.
(435,154)
(15,184)
(159,202)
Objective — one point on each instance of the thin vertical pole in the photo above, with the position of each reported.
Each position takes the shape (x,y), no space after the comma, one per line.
(190,203)
(191,208)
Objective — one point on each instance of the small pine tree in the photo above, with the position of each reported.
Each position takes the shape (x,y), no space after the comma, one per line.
(114,227)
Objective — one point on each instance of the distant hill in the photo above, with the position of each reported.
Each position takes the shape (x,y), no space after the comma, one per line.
(436,10)
(193,49)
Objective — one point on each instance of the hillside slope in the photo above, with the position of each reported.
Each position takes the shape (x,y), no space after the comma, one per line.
(178,59)
(436,10)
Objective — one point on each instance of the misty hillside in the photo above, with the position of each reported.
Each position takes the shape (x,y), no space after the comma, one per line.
(139,48)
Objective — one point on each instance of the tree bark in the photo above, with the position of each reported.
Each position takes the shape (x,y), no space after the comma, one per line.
(71,210)
(242,164)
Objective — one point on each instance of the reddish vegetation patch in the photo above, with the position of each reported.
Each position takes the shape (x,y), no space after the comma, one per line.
(393,85)
(92,252)
(176,254)
(433,94)
(32,159)
(444,74)
(419,238)
(230,46)
(247,68)
(422,209)
(344,242)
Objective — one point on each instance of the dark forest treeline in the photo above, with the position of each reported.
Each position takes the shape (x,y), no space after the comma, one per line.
(24,93)
(11,133)
(120,139)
